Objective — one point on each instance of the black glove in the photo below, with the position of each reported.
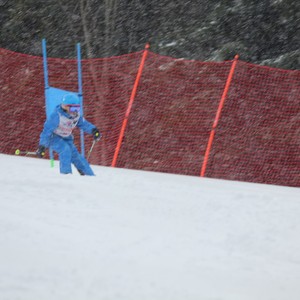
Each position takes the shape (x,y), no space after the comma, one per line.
(41,151)
(96,134)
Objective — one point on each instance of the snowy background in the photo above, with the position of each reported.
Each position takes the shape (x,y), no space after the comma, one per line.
(139,235)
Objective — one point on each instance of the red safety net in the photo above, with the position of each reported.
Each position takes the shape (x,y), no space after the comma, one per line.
(173,112)
(257,139)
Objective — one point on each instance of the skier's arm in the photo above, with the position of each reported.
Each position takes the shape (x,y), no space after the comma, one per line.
(85,125)
(88,127)
(50,125)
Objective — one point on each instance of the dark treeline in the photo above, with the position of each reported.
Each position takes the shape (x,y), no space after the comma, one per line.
(261,31)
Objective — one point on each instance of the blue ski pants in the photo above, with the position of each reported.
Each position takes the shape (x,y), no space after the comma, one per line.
(68,154)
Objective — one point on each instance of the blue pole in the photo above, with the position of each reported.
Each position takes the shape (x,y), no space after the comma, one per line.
(80,93)
(45,63)
(46,88)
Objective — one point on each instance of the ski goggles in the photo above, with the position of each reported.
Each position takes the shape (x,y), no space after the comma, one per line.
(74,108)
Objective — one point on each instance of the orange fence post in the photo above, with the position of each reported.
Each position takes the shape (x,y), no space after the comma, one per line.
(218,114)
(132,97)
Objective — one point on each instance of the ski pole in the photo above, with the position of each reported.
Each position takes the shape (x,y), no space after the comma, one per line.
(91,149)
(19,152)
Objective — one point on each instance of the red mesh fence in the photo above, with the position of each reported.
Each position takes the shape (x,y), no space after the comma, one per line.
(22,101)
(258,137)
(256,140)
(172,115)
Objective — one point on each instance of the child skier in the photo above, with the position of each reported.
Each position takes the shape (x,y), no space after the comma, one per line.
(57,134)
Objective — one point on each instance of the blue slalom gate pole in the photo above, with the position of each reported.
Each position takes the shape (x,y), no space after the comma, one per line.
(80,94)
(46,88)
(45,64)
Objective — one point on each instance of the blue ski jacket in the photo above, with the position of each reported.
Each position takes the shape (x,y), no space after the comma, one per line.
(60,123)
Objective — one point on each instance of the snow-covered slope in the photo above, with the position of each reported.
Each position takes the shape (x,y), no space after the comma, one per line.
(137,235)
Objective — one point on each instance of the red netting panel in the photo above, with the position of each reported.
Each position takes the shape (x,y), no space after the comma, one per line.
(107,86)
(22,101)
(172,115)
(257,139)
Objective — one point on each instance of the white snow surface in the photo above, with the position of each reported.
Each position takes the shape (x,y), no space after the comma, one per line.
(136,235)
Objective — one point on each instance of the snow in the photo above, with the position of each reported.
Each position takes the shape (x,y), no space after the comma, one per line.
(136,235)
